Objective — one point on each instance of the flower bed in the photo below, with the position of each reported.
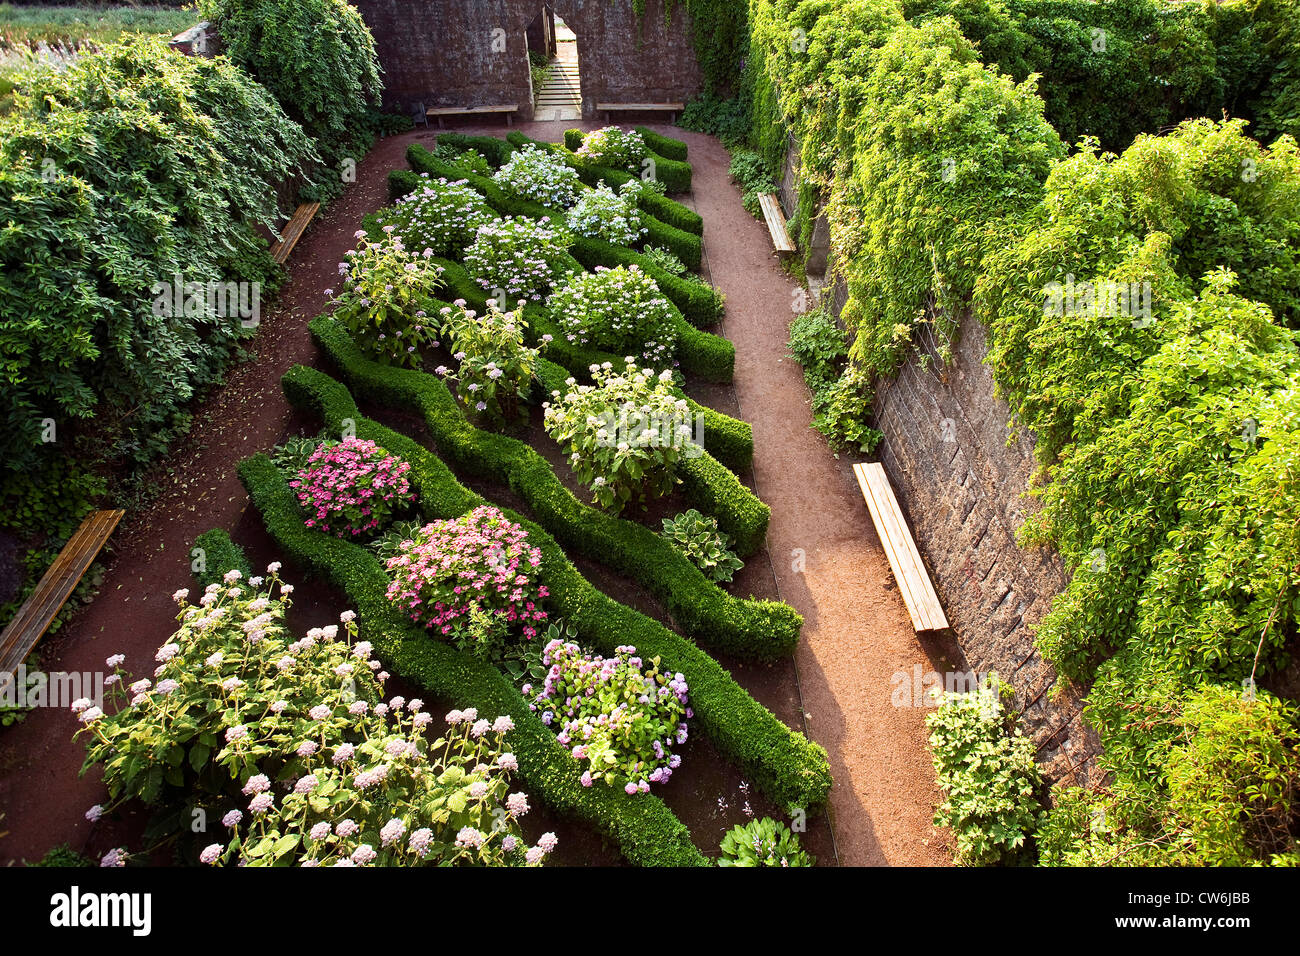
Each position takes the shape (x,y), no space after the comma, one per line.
(515,258)
(617,309)
(384,289)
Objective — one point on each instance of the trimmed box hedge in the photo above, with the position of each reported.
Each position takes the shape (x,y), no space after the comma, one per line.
(665,146)
(646,831)
(793,771)
(753,629)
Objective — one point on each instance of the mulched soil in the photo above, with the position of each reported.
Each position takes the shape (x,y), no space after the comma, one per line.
(836,688)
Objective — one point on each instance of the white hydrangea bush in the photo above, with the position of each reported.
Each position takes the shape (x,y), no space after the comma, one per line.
(601,213)
(540,176)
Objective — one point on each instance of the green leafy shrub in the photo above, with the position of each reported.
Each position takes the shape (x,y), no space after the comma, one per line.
(620,310)
(763,842)
(496,367)
(698,537)
(620,715)
(317,58)
(755,176)
(441,215)
(385,287)
(985,768)
(613,431)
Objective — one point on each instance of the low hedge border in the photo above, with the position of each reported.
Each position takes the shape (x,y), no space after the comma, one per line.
(646,831)
(665,146)
(661,207)
(729,440)
(793,771)
(686,246)
(753,629)
(219,554)
(495,151)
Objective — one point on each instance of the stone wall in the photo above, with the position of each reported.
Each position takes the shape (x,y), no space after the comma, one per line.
(474,52)
(961,484)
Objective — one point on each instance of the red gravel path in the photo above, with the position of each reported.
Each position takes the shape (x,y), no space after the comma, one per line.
(856,633)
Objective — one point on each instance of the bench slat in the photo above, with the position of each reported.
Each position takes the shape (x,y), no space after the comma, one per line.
(54,588)
(774,215)
(904,559)
(293,231)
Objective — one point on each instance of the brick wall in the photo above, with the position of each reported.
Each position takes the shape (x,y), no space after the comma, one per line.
(961,485)
(474,52)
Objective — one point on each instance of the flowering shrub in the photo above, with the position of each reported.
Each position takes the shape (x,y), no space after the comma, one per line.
(471,578)
(496,367)
(615,147)
(384,289)
(352,487)
(619,720)
(515,256)
(624,435)
(540,176)
(441,216)
(763,842)
(241,704)
(601,213)
(618,310)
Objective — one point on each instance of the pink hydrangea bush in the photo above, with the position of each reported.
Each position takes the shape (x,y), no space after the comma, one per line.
(471,578)
(352,488)
(318,769)
(618,715)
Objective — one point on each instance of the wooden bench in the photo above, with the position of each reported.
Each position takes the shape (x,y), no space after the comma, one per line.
(293,231)
(439,112)
(905,561)
(775,218)
(38,611)
(672,109)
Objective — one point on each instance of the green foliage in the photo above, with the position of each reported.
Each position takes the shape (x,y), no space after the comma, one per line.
(727,119)
(495,373)
(763,842)
(317,58)
(755,176)
(985,767)
(619,310)
(698,537)
(131,167)
(64,856)
(439,215)
(841,391)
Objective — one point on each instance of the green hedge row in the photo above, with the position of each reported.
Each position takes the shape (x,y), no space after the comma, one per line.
(729,440)
(647,832)
(661,207)
(219,554)
(495,151)
(756,630)
(675,174)
(793,771)
(696,302)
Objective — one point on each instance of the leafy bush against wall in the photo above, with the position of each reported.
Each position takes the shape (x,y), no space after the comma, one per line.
(133,167)
(317,58)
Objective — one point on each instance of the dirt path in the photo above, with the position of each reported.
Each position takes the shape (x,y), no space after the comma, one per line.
(856,631)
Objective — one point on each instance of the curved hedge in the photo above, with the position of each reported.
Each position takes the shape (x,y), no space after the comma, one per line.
(647,832)
(756,630)
(792,770)
(665,146)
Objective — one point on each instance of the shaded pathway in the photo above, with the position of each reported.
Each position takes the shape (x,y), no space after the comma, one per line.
(856,631)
